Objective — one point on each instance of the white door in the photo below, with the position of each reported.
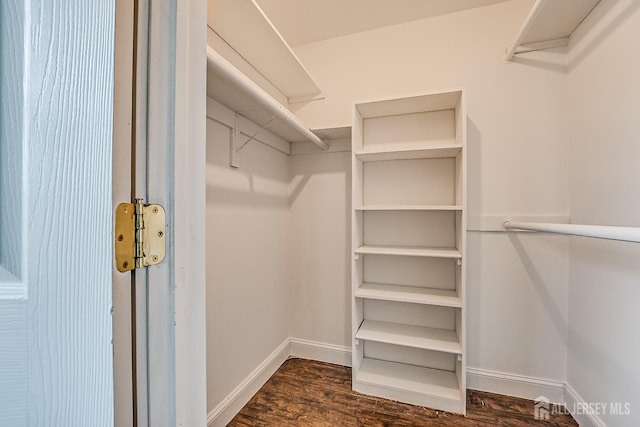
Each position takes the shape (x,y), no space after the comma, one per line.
(56,216)
(56,116)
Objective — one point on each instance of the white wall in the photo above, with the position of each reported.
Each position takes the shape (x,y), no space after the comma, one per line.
(604,90)
(248,302)
(517,165)
(320,197)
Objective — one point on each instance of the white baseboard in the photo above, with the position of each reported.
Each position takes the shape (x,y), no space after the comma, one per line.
(291,347)
(477,379)
(321,352)
(515,385)
(231,405)
(573,399)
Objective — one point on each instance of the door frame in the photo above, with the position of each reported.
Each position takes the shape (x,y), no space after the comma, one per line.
(189,197)
(176,316)
(170,297)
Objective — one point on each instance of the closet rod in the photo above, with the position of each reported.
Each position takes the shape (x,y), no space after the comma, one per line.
(625,234)
(224,68)
(537,7)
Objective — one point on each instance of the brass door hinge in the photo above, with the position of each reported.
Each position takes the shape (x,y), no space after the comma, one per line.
(139,236)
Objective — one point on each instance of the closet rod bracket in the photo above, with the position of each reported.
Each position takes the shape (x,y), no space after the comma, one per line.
(237,144)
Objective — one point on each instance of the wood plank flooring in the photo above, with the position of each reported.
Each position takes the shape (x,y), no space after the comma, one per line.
(308,393)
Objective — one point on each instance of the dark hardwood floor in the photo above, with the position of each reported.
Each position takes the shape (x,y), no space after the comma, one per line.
(308,393)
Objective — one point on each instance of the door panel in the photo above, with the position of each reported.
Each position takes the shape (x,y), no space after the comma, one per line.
(56,362)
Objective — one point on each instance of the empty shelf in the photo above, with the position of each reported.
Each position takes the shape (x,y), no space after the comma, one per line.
(425,381)
(434,152)
(410,251)
(410,336)
(409,208)
(410,294)
(263,47)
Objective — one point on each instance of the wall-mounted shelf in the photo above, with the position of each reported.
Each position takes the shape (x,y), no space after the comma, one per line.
(549,24)
(246,28)
(237,92)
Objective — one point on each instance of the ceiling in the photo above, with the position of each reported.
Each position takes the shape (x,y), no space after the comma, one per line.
(306,21)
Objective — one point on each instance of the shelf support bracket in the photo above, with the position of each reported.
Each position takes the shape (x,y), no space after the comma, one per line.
(237,144)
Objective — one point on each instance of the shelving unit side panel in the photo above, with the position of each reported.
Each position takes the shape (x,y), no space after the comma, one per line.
(410,314)
(432,229)
(410,356)
(357,262)
(461,378)
(458,282)
(410,130)
(357,135)
(435,273)
(409,182)
(357,307)
(460,231)
(461,226)
(357,185)
(459,178)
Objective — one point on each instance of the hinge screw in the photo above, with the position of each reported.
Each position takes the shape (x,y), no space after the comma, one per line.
(160,234)
(120,237)
(155,258)
(154,210)
(125,264)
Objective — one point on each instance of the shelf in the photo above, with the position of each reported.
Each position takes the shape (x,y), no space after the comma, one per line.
(442,340)
(550,24)
(434,152)
(409,294)
(409,208)
(410,251)
(425,381)
(245,27)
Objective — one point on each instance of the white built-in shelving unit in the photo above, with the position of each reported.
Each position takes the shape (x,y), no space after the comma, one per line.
(409,237)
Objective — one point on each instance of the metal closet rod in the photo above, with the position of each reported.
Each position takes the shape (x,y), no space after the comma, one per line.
(625,234)
(224,68)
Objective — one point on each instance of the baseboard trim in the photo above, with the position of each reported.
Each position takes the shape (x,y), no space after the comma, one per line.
(515,385)
(322,352)
(231,405)
(477,379)
(573,399)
